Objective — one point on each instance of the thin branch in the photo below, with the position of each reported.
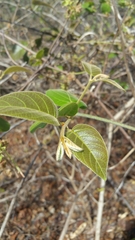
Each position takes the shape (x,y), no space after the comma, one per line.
(102,193)
(123,45)
(15,196)
(18,43)
(125,175)
(65,228)
(100,210)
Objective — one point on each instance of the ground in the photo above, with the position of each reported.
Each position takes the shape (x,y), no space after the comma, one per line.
(59,200)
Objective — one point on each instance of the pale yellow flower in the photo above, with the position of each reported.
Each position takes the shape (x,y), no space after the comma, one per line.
(67,145)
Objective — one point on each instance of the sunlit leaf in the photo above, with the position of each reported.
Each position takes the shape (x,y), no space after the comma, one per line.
(61,97)
(4,125)
(15,69)
(33,106)
(36,125)
(94,154)
(91,69)
(69,109)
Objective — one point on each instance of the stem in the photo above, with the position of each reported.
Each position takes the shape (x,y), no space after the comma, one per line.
(62,132)
(106,120)
(85,89)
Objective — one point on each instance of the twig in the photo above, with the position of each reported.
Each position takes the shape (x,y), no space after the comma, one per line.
(18,43)
(17,7)
(123,45)
(125,175)
(10,209)
(100,210)
(7,198)
(15,196)
(123,159)
(63,233)
(88,184)
(102,185)
(79,192)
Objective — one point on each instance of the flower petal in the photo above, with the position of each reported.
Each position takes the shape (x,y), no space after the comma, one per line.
(72,145)
(60,152)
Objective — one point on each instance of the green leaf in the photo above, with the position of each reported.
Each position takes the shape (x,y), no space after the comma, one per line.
(40,54)
(94,154)
(33,106)
(4,125)
(25,57)
(36,125)
(38,42)
(112,55)
(69,109)
(61,97)
(89,6)
(14,69)
(105,8)
(60,67)
(122,3)
(111,82)
(91,69)
(123,84)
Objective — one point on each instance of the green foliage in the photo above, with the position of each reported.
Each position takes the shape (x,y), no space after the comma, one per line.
(105,7)
(69,109)
(4,125)
(122,3)
(15,69)
(98,76)
(94,154)
(33,106)
(62,97)
(42,52)
(112,55)
(38,42)
(123,84)
(73,8)
(82,141)
(91,69)
(25,57)
(89,6)
(36,125)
